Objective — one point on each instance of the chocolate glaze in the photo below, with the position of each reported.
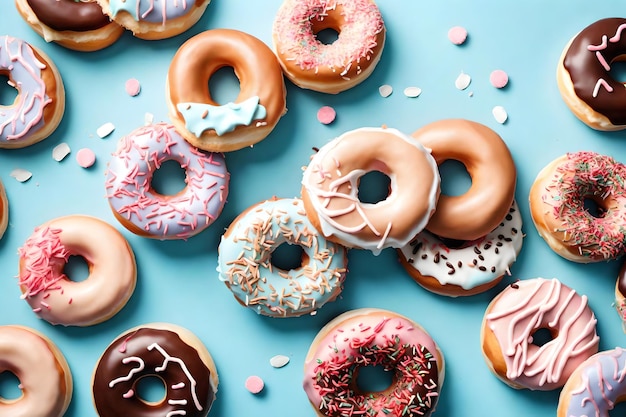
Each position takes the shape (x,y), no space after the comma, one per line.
(586,69)
(110,401)
(621,279)
(69,15)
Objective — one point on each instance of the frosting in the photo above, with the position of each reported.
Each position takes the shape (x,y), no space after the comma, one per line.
(153,11)
(49,292)
(24,68)
(529,305)
(245,265)
(330,185)
(72,15)
(130,172)
(374,339)
(471,265)
(189,383)
(601,385)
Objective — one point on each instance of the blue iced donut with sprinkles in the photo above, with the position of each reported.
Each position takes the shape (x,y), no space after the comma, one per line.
(245,261)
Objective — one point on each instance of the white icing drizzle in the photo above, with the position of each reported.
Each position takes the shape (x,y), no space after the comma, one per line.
(133,371)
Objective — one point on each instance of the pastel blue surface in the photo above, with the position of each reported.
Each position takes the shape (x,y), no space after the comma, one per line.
(177,281)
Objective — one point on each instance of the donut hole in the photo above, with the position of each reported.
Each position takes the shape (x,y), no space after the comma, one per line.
(76,269)
(374,187)
(8,93)
(594,207)
(9,386)
(224,85)
(288,257)
(326,36)
(150,389)
(169,178)
(455,180)
(618,69)
(373,379)
(542,336)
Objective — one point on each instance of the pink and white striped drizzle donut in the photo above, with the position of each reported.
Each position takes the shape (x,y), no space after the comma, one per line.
(147,213)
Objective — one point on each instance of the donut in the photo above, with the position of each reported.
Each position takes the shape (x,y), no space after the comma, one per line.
(245,261)
(490,165)
(596,386)
(512,320)
(620,295)
(43,373)
(584,75)
(144,211)
(40,102)
(78,25)
(373,337)
(557,206)
(459,268)
(153,20)
(52,295)
(225,127)
(165,351)
(4,210)
(331,180)
(328,68)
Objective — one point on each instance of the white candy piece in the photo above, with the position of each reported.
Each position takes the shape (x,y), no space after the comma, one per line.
(148,119)
(22,175)
(105,130)
(279,361)
(385,90)
(499,113)
(60,151)
(412,92)
(462,81)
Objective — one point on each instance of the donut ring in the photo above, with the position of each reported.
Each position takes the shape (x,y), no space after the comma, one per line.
(161,350)
(49,292)
(40,102)
(584,79)
(620,295)
(4,210)
(147,213)
(513,317)
(244,261)
(256,110)
(372,337)
(489,163)
(330,189)
(595,387)
(44,374)
(80,26)
(557,199)
(333,68)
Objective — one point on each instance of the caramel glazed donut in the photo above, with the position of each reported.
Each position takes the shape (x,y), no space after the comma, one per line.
(160,350)
(256,110)
(43,373)
(79,25)
(584,78)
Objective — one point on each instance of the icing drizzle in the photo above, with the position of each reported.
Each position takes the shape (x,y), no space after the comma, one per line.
(154,11)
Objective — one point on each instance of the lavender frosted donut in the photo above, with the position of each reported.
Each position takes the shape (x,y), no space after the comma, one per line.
(147,213)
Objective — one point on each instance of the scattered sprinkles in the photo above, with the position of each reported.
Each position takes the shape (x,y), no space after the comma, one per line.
(132,87)
(499,78)
(22,175)
(60,151)
(500,114)
(385,90)
(105,130)
(462,81)
(85,157)
(326,115)
(254,384)
(457,35)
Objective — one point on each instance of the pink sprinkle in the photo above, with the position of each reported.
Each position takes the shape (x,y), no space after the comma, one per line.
(457,35)
(254,384)
(85,157)
(133,87)
(326,115)
(498,78)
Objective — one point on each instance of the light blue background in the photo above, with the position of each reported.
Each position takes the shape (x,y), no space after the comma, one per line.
(177,281)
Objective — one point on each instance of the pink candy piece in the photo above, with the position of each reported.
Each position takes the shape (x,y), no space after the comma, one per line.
(498,78)
(85,157)
(254,384)
(326,115)
(133,87)
(457,35)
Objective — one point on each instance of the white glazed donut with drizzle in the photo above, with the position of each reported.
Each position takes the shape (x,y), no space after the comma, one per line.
(147,213)
(162,350)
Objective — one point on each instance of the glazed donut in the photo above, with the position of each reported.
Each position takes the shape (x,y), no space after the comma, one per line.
(584,75)
(161,350)
(40,102)
(489,163)
(245,261)
(620,295)
(256,110)
(57,299)
(595,387)
(336,67)
(512,320)
(373,337)
(152,20)
(330,189)
(43,373)
(78,25)
(147,213)
(557,199)
(464,268)
(4,210)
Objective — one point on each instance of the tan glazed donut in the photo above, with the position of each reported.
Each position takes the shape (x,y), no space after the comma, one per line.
(43,373)
(490,165)
(255,112)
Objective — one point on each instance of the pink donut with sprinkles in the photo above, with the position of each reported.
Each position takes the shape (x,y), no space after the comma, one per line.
(328,68)
(144,211)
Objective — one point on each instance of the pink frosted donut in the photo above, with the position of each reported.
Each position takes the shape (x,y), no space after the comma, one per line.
(335,67)
(147,213)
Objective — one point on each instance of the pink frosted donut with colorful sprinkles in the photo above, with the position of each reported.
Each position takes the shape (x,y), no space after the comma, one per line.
(329,68)
(144,211)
